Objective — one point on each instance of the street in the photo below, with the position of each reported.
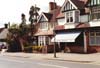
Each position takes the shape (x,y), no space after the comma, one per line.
(20,62)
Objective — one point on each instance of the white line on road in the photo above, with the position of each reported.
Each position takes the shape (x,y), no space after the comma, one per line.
(51,65)
(12,60)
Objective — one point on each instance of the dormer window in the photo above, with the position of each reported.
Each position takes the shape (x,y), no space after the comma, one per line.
(69,16)
(72,16)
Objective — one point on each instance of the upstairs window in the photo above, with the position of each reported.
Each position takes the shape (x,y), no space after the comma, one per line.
(44,25)
(72,16)
(95,13)
(94,3)
(69,16)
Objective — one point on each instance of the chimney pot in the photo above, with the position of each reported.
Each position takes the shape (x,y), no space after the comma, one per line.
(52,6)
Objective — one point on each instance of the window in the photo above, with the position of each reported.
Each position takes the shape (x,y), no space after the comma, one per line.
(72,16)
(95,13)
(69,16)
(94,38)
(43,40)
(44,25)
(47,40)
(94,2)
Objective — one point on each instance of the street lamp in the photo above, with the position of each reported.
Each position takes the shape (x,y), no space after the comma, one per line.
(54,31)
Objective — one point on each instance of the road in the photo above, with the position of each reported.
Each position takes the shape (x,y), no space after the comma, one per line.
(20,62)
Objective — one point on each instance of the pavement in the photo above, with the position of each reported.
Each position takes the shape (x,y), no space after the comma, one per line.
(71,57)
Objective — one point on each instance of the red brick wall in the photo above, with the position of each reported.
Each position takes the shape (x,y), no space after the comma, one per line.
(75,49)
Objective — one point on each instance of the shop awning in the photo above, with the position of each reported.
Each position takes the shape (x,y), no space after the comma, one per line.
(65,37)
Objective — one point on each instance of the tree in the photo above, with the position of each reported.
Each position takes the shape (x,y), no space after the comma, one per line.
(23,26)
(33,12)
(23,23)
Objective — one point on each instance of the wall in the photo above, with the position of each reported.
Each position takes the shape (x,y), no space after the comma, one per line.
(84,18)
(61,21)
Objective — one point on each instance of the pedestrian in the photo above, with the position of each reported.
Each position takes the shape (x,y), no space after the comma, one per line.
(4,48)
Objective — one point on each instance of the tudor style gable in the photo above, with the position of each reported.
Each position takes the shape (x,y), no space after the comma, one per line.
(95,9)
(71,11)
(68,6)
(42,18)
(44,21)
(93,3)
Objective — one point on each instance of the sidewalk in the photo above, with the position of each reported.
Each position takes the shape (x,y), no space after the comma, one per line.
(71,57)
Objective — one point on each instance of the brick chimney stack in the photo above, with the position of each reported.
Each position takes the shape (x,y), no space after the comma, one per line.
(52,6)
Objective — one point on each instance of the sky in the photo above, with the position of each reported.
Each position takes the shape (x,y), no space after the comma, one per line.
(11,10)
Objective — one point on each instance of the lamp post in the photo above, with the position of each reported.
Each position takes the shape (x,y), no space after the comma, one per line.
(54,31)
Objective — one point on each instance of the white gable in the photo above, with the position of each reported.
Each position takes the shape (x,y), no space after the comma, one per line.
(68,5)
(42,18)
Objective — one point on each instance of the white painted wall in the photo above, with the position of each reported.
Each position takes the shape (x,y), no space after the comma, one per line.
(61,21)
(70,25)
(94,23)
(84,18)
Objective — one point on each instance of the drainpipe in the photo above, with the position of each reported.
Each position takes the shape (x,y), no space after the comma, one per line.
(85,43)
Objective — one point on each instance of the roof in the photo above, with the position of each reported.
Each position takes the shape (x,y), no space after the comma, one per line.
(41,33)
(83,25)
(1,29)
(79,4)
(51,16)
(85,1)
(61,15)
(48,15)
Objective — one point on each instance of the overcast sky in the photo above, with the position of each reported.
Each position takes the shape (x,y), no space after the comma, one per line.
(11,10)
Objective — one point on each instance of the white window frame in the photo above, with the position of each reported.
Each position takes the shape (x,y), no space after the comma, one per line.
(70,15)
(42,40)
(95,37)
(44,25)
(73,15)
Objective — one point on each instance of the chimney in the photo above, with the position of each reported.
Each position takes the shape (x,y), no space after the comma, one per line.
(6,25)
(52,6)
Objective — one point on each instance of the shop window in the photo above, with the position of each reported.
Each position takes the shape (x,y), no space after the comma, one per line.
(94,38)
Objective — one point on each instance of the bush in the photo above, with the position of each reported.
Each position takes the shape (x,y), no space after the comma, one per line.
(28,49)
(37,48)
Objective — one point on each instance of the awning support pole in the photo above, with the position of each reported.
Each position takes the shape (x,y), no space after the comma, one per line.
(85,43)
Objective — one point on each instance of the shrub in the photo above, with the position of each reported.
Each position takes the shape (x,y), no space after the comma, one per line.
(37,48)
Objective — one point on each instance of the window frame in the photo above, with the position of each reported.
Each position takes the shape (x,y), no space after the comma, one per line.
(69,16)
(95,12)
(44,26)
(95,38)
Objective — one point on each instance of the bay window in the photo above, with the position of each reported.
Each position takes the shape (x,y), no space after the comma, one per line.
(69,16)
(43,40)
(72,16)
